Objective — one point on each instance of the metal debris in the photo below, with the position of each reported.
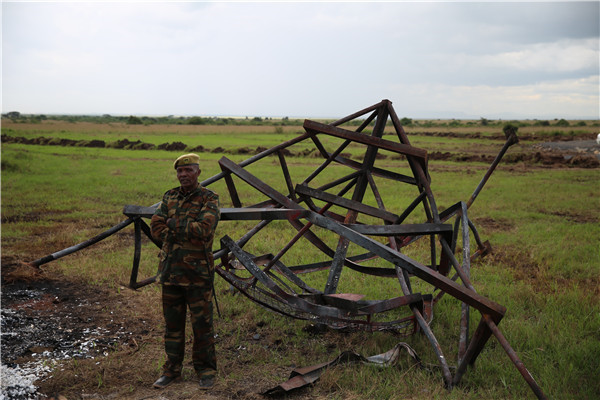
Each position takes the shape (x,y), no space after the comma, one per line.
(338,207)
(301,377)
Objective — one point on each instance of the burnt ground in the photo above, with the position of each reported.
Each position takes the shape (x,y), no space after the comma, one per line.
(67,339)
(49,320)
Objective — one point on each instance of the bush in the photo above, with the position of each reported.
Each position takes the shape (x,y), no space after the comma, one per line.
(562,122)
(406,121)
(133,120)
(196,121)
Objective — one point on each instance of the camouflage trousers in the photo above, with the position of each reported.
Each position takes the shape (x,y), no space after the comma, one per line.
(198,299)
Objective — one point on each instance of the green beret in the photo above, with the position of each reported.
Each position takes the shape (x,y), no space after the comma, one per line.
(187,159)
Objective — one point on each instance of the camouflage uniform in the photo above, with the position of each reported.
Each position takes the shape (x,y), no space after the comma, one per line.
(186,223)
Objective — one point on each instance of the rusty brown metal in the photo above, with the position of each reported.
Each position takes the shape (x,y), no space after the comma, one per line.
(356,215)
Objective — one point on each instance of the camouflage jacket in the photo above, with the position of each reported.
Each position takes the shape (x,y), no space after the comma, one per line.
(186,223)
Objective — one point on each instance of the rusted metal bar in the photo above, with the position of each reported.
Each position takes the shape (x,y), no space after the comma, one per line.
(82,245)
(357,206)
(146,230)
(302,231)
(380,172)
(358,195)
(460,292)
(278,197)
(423,324)
(402,230)
(360,114)
(350,177)
(350,262)
(466,266)
(511,138)
(317,127)
(514,358)
(233,194)
(479,339)
(259,156)
(295,301)
(328,161)
(136,253)
(286,175)
(426,329)
(233,214)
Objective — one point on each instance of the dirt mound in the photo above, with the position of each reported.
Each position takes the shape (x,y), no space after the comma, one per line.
(578,153)
(567,151)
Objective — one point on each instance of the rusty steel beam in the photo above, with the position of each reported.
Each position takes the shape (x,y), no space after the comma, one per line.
(231,214)
(511,138)
(384,144)
(436,279)
(276,196)
(359,191)
(82,245)
(357,206)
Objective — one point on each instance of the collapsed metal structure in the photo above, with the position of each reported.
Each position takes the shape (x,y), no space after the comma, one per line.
(337,219)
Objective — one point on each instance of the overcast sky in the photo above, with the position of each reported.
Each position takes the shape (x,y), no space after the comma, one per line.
(302,59)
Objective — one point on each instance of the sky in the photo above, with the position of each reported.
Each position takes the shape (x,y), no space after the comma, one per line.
(470,60)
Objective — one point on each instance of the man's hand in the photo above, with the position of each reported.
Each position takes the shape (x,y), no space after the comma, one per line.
(171,223)
(170,234)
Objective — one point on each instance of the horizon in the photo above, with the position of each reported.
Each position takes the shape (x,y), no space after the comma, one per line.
(461,60)
(174,116)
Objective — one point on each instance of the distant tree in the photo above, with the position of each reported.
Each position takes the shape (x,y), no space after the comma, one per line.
(542,123)
(562,122)
(13,114)
(484,122)
(406,121)
(133,120)
(196,121)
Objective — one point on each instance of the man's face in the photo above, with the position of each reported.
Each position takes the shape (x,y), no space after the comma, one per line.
(188,176)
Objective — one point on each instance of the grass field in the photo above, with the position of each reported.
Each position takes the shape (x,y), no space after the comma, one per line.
(542,223)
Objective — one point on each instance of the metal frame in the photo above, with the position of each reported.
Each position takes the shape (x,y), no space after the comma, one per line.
(267,280)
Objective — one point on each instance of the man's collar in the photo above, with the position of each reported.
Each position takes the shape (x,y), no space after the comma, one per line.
(182,190)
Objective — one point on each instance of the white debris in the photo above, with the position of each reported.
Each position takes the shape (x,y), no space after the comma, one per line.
(18,383)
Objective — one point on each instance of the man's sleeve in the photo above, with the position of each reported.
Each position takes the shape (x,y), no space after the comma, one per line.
(158,223)
(204,225)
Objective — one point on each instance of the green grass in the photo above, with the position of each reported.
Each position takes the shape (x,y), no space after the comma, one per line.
(542,223)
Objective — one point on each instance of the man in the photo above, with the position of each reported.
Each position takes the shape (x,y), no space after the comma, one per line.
(185,222)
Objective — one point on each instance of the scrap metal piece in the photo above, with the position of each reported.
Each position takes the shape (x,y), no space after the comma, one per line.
(304,376)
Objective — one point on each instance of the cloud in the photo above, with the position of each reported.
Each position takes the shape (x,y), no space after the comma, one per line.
(576,98)
(561,56)
(293,58)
